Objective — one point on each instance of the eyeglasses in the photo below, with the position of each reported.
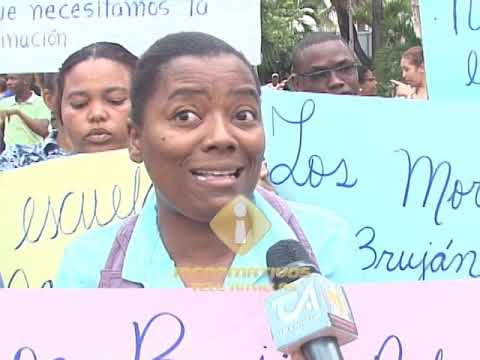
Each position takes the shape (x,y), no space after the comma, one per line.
(344,71)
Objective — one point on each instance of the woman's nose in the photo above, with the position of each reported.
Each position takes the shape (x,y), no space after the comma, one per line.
(219,135)
(97,112)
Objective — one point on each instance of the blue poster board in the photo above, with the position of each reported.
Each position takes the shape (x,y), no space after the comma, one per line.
(404,174)
(451,42)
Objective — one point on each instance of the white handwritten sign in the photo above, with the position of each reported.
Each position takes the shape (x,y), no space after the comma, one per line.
(451,40)
(405,175)
(37,36)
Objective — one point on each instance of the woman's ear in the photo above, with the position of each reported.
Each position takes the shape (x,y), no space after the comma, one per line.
(134,142)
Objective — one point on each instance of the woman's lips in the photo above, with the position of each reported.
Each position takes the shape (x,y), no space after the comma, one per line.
(220,178)
(98,136)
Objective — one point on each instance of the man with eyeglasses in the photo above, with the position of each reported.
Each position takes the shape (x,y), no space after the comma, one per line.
(323,63)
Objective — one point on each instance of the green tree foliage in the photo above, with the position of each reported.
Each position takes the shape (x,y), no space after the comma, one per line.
(398,23)
(278,35)
(387,67)
(284,23)
(397,17)
(399,35)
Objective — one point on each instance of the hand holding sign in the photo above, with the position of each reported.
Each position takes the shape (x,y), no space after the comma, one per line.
(5,115)
(402,89)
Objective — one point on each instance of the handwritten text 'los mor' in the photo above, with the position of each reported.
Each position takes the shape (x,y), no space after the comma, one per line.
(317,172)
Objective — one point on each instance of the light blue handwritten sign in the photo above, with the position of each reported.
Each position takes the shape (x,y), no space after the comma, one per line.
(451,41)
(404,174)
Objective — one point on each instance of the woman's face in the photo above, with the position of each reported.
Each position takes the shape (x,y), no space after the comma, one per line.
(202,137)
(412,75)
(369,85)
(96,104)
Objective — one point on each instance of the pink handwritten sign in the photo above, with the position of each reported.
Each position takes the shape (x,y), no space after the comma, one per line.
(424,320)
(395,321)
(136,325)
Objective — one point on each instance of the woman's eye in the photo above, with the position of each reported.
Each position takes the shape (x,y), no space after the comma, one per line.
(185,116)
(117,102)
(78,105)
(246,115)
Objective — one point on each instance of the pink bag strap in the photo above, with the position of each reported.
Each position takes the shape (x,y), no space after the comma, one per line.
(111,276)
(287,215)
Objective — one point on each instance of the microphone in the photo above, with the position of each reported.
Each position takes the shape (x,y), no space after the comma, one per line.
(307,310)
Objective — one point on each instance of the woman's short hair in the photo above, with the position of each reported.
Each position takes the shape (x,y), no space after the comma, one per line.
(414,55)
(166,49)
(99,50)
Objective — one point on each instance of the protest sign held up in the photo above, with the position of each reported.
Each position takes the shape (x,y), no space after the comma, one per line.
(50,31)
(149,324)
(43,217)
(400,172)
(451,31)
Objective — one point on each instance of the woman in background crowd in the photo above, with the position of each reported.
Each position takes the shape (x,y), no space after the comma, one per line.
(93,97)
(414,85)
(90,101)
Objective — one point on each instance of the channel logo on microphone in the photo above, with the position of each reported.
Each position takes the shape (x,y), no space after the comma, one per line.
(240,225)
(303,303)
(315,308)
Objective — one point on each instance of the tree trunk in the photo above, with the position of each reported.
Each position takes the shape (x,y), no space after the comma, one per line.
(378,38)
(417,25)
(341,8)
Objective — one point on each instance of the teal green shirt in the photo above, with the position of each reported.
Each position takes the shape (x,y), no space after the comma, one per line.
(148,262)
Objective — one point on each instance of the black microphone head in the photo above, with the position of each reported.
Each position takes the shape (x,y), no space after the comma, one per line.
(285,252)
(288,261)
